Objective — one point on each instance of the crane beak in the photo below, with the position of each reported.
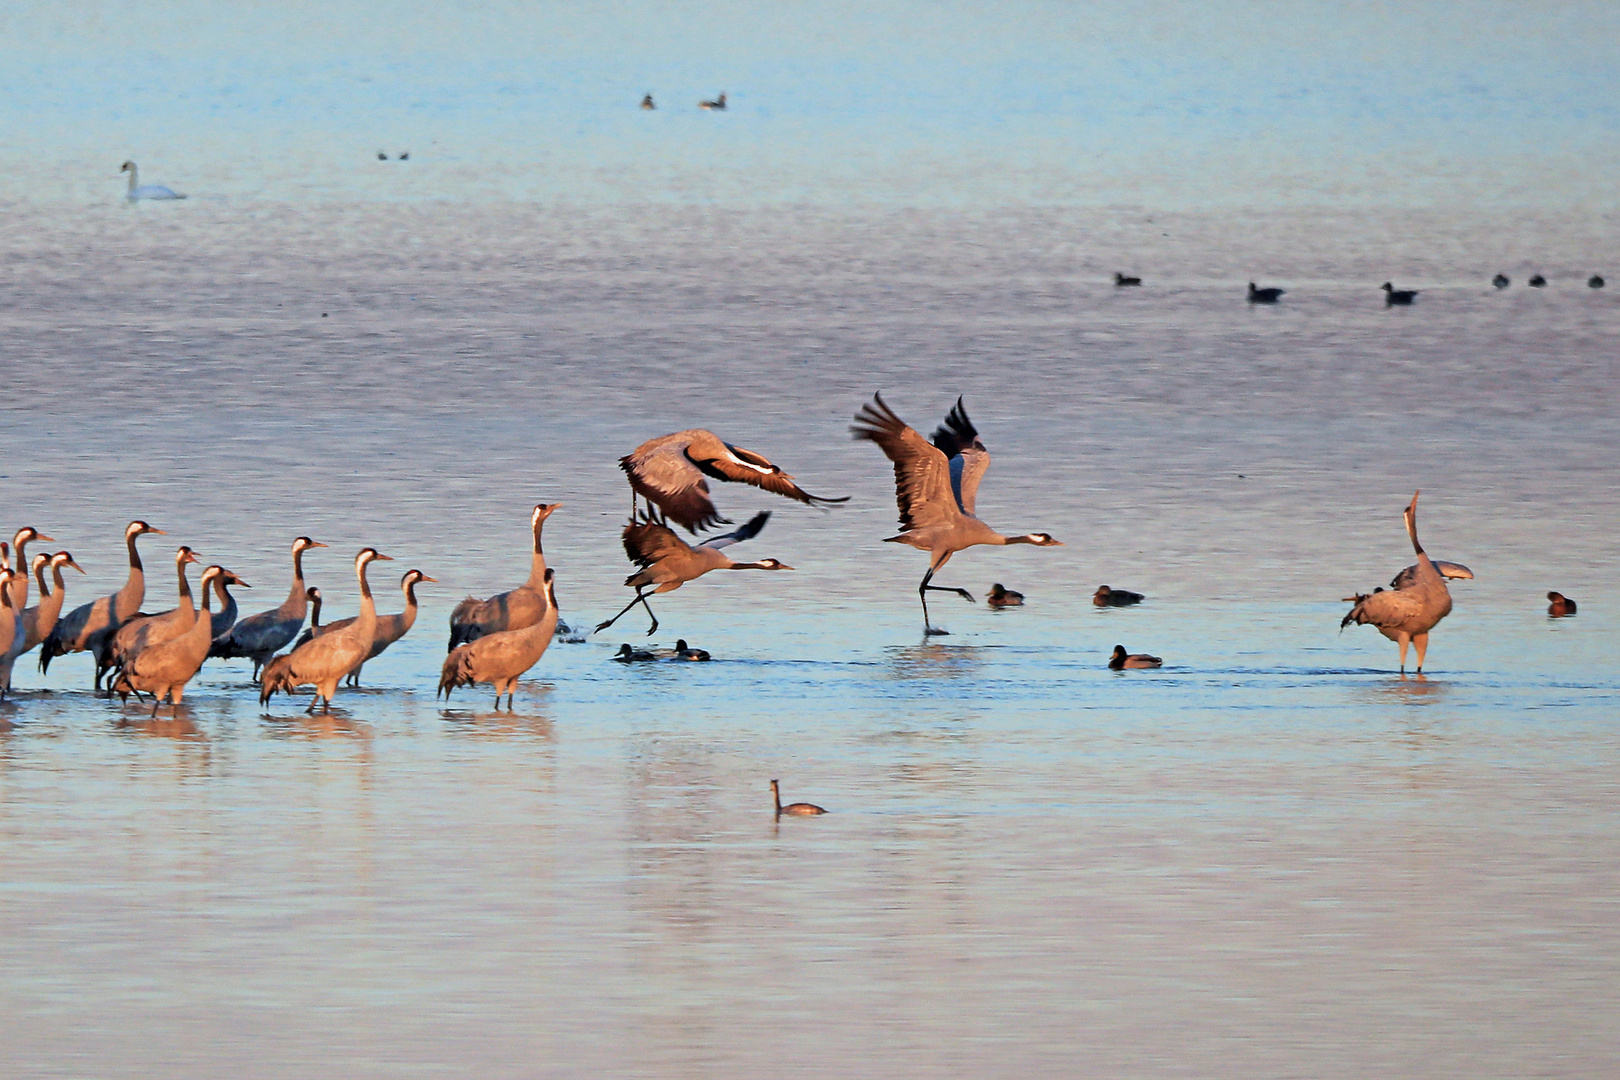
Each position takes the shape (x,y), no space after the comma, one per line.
(384,558)
(191,556)
(160,532)
(75,565)
(317,543)
(432,579)
(43,539)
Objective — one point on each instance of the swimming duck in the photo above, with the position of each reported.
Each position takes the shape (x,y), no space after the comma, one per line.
(798,809)
(683,651)
(1595,281)
(647,102)
(1000,597)
(1264,296)
(1537,282)
(717,105)
(1121,281)
(1120,660)
(1106,597)
(1394,297)
(1561,605)
(1501,281)
(628,655)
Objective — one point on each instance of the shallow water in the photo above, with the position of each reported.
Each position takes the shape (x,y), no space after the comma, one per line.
(1273,857)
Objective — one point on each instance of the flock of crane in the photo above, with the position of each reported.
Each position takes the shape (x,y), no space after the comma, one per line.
(496,640)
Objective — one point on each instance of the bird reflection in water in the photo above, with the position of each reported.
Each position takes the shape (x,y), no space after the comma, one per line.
(337,724)
(496,725)
(180,725)
(1411,688)
(931,660)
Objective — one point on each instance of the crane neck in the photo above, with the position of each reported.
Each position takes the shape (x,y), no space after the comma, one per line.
(410,605)
(134,555)
(776,796)
(39,575)
(130,597)
(185,589)
(297,601)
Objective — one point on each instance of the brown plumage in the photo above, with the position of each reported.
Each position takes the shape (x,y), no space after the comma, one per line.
(798,809)
(501,657)
(12,634)
(667,562)
(90,627)
(390,628)
(40,619)
(1406,615)
(1561,605)
(143,631)
(513,610)
(669,473)
(1000,597)
(936,486)
(19,584)
(323,661)
(163,669)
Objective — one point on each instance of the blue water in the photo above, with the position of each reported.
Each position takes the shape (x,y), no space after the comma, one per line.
(1273,857)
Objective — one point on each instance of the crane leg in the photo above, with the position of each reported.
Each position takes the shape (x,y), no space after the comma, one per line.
(924,589)
(1404,641)
(641,598)
(1422,643)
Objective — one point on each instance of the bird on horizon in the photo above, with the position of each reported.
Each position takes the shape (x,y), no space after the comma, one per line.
(1561,605)
(717,105)
(1264,296)
(936,487)
(1394,297)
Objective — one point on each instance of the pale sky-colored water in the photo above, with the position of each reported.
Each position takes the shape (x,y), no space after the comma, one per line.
(1274,857)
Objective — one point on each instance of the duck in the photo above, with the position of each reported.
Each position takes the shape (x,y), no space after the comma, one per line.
(381,156)
(1264,296)
(1561,605)
(1106,597)
(1122,281)
(1501,281)
(630,655)
(1394,297)
(647,102)
(717,105)
(683,651)
(1595,281)
(798,809)
(1121,660)
(1000,597)
(138,190)
(1537,282)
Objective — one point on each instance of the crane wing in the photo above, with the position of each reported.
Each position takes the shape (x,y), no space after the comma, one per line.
(735,464)
(669,472)
(922,476)
(662,473)
(1389,608)
(958,440)
(647,541)
(749,530)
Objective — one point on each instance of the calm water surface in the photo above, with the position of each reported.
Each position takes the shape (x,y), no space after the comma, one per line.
(1273,857)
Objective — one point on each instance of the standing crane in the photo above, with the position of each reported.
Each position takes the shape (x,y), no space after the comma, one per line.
(259,636)
(1406,614)
(90,627)
(936,485)
(511,610)
(323,661)
(501,658)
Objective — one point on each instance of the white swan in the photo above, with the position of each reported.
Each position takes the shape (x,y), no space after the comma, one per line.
(146,191)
